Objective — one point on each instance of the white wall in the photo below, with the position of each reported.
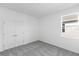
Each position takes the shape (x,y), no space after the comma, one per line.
(50,31)
(16,29)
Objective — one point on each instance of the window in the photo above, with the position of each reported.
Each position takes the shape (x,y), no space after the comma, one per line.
(68,20)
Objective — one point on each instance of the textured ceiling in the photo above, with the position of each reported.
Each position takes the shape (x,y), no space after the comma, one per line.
(38,9)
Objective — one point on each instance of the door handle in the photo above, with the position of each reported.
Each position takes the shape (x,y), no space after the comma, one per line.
(15,35)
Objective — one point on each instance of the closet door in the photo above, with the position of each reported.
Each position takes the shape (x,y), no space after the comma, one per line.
(1,34)
(10,33)
(19,30)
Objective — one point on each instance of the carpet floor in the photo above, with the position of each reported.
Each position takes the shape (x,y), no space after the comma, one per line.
(37,48)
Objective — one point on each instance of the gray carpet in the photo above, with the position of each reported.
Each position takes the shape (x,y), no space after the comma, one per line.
(37,48)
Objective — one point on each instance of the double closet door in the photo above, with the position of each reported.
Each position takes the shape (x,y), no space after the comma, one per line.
(13,32)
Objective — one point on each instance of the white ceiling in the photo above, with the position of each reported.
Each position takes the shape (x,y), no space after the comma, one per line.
(38,9)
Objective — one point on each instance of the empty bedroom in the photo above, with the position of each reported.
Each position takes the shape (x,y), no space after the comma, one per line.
(39,29)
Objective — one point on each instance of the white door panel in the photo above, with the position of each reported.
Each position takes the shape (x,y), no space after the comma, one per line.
(1,42)
(19,35)
(10,41)
(10,31)
(19,31)
(1,34)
